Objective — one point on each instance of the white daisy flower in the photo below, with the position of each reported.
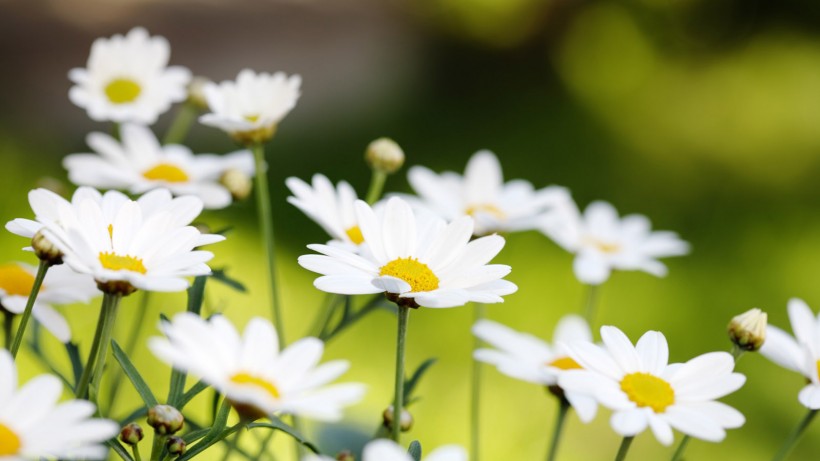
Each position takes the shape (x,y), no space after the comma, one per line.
(251,107)
(602,241)
(800,353)
(388,450)
(416,259)
(127,79)
(140,163)
(644,390)
(332,208)
(482,193)
(60,286)
(34,426)
(528,358)
(250,370)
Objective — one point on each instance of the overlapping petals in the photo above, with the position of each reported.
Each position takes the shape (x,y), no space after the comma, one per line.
(331,208)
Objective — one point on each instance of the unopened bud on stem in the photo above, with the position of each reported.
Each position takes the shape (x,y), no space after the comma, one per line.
(45,249)
(238,183)
(176,445)
(748,330)
(131,434)
(384,155)
(165,419)
(405,422)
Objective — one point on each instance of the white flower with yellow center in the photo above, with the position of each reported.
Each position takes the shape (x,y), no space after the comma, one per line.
(127,79)
(528,358)
(140,163)
(61,286)
(644,390)
(420,260)
(388,450)
(602,241)
(332,208)
(482,193)
(251,107)
(800,353)
(252,373)
(34,426)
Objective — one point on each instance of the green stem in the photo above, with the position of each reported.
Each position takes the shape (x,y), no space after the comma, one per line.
(681,448)
(374,192)
(627,441)
(266,221)
(157,447)
(737,352)
(563,409)
(398,399)
(323,319)
(35,290)
(794,437)
(182,123)
(230,447)
(99,348)
(136,450)
(372,305)
(590,304)
(8,327)
(130,347)
(479,312)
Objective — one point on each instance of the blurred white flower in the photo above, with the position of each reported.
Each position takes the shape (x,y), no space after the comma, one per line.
(140,163)
(332,208)
(388,450)
(127,79)
(417,259)
(800,353)
(644,390)
(34,426)
(602,241)
(250,370)
(482,193)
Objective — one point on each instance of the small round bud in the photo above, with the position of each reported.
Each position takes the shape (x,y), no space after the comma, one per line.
(238,183)
(405,423)
(196,93)
(131,434)
(165,419)
(176,445)
(45,249)
(345,455)
(384,155)
(748,330)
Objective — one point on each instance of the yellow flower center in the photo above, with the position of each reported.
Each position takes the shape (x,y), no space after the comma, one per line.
(115,262)
(9,442)
(355,235)
(15,280)
(602,246)
(486,208)
(417,274)
(818,368)
(253,118)
(122,90)
(251,380)
(166,172)
(648,390)
(565,363)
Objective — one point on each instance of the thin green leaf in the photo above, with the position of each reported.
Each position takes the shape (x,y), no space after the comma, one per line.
(119,450)
(415,450)
(220,275)
(410,384)
(216,433)
(135,415)
(196,292)
(278,424)
(76,361)
(133,375)
(191,393)
(193,436)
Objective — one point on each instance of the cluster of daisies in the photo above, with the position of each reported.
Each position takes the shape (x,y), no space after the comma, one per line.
(431,249)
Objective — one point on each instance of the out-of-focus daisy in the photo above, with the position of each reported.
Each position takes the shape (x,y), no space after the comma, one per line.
(61,286)
(602,241)
(34,426)
(140,163)
(800,353)
(127,79)
(251,107)
(419,260)
(250,370)
(528,358)
(388,450)
(482,193)
(332,208)
(644,390)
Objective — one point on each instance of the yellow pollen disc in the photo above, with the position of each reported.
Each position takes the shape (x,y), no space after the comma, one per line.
(604,247)
(9,442)
(355,235)
(122,90)
(565,363)
(245,378)
(253,118)
(487,208)
(115,262)
(166,172)
(417,274)
(15,280)
(648,391)
(818,368)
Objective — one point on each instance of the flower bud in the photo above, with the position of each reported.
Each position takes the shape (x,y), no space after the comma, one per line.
(405,423)
(45,249)
(176,445)
(748,330)
(238,183)
(345,455)
(196,93)
(131,434)
(384,155)
(165,419)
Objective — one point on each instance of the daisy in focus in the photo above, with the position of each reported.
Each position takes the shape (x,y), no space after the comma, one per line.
(601,241)
(140,163)
(61,286)
(332,208)
(250,108)
(250,370)
(528,358)
(644,390)
(387,450)
(415,259)
(34,426)
(800,353)
(482,194)
(127,79)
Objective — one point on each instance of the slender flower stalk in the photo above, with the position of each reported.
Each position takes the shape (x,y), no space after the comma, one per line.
(178,131)
(591,304)
(99,347)
(8,327)
(479,311)
(130,346)
(398,400)
(678,455)
(627,441)
(795,436)
(561,418)
(35,290)
(374,192)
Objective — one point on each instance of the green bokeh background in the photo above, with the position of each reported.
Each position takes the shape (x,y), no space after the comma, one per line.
(702,115)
